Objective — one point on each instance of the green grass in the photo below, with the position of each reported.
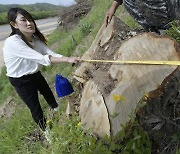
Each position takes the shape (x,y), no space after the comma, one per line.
(5,87)
(126,18)
(174,31)
(14,131)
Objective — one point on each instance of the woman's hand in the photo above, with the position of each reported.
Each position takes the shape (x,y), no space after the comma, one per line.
(73,59)
(57,60)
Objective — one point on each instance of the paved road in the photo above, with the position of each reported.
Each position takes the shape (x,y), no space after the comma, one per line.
(46,26)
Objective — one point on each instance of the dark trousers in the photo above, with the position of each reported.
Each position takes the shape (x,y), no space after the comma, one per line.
(27,88)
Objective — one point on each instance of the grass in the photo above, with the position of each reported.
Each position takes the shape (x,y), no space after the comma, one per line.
(14,130)
(69,136)
(5,87)
(174,31)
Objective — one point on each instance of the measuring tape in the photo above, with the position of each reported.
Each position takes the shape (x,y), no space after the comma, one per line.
(177,63)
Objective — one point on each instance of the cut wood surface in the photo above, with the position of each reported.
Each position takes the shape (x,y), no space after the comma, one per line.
(93,102)
(134,81)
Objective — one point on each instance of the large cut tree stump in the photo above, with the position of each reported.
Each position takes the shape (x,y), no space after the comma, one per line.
(121,86)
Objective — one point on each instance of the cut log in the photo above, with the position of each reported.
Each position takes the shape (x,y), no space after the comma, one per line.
(123,86)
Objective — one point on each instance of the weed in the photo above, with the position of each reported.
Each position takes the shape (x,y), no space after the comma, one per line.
(174,31)
(85,28)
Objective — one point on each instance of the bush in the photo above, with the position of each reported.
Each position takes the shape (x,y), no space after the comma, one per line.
(174,31)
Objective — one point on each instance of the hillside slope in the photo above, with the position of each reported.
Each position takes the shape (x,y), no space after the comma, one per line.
(38,10)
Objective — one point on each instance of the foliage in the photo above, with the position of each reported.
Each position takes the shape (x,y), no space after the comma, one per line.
(174,31)
(69,137)
(32,7)
(43,14)
(5,8)
(85,28)
(75,140)
(3,18)
(138,141)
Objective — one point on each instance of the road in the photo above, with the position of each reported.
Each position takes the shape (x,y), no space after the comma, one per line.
(46,26)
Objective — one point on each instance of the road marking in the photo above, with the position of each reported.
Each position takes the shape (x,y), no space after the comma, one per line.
(48,24)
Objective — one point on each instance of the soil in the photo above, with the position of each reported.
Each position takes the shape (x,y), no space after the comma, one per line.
(70,16)
(8,108)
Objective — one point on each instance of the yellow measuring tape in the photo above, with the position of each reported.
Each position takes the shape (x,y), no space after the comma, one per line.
(177,63)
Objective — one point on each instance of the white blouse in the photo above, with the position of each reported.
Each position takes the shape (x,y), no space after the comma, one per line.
(21,60)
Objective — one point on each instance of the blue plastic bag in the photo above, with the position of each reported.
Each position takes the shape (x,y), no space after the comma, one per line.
(63,86)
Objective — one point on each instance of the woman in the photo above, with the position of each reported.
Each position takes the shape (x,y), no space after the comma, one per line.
(24,52)
(152,15)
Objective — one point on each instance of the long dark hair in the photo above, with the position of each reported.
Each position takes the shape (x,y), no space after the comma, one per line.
(12,15)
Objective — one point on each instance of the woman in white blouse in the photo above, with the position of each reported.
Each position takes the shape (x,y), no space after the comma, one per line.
(25,51)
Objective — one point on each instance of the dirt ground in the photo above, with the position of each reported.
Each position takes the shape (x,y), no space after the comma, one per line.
(70,16)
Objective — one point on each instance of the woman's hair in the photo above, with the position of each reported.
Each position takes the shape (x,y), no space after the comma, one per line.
(12,15)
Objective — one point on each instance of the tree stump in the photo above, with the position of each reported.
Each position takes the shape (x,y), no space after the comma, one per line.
(123,86)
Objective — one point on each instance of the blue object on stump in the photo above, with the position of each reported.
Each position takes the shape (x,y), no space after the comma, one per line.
(63,86)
